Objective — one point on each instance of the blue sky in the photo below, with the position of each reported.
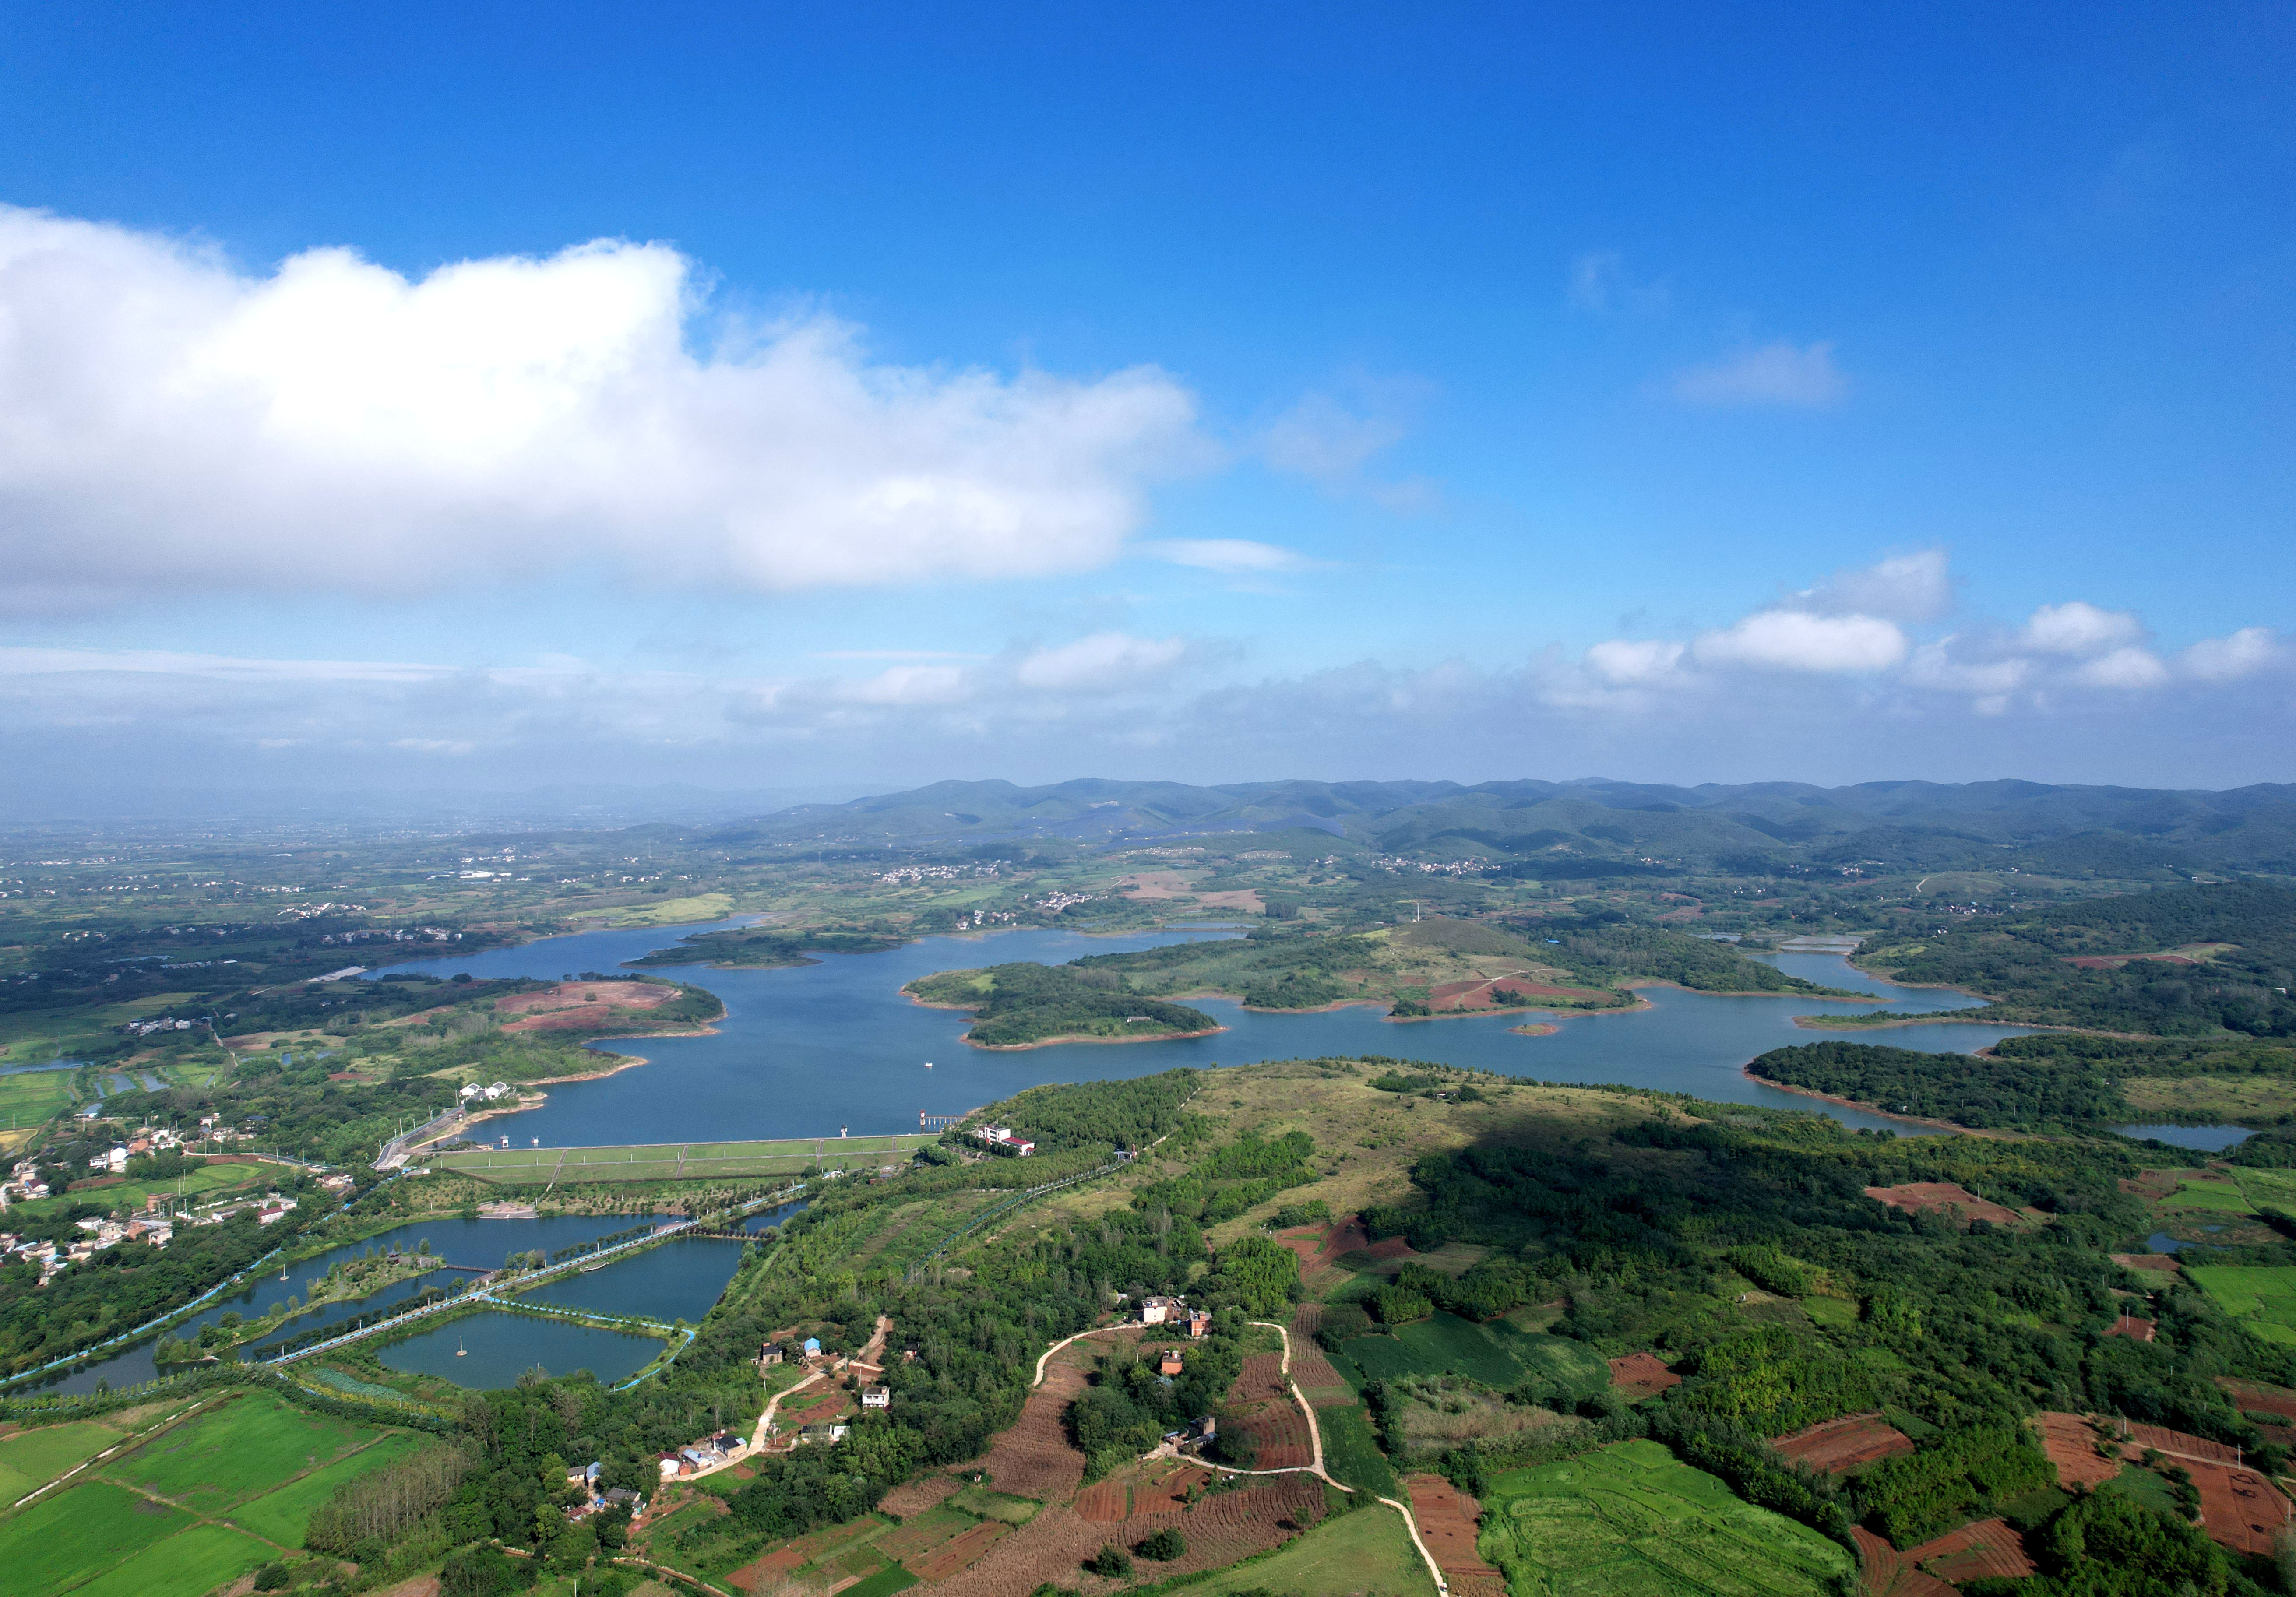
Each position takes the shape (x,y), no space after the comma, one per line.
(778,399)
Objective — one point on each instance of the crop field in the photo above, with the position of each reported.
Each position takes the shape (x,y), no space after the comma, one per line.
(34,1458)
(1498,1354)
(238,1451)
(204,1181)
(283,1514)
(1631,1521)
(672,1161)
(30,1097)
(57,1542)
(2261,1297)
(1838,1446)
(189,1564)
(1366,1554)
(1351,1453)
(2218,1197)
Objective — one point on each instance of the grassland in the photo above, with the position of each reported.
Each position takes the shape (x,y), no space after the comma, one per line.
(34,1458)
(30,1098)
(1629,1521)
(2261,1297)
(64,1540)
(674,911)
(1498,1355)
(674,1162)
(1367,1554)
(1351,1452)
(283,1514)
(238,1451)
(192,1562)
(201,1182)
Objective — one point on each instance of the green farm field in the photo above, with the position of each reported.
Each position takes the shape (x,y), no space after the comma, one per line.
(1351,1452)
(33,1458)
(1630,1521)
(188,1564)
(30,1097)
(238,1451)
(1497,1354)
(2261,1297)
(283,1513)
(201,1182)
(672,1161)
(1366,1554)
(63,1540)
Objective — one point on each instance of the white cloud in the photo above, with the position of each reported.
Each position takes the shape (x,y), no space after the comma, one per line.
(2129,667)
(1326,442)
(1230,556)
(1599,284)
(1101,663)
(1778,374)
(2080,629)
(1788,640)
(1634,663)
(1905,587)
(2244,653)
(168,421)
(902,685)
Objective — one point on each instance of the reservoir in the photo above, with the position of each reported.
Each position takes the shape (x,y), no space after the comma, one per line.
(500,1347)
(678,1281)
(804,1050)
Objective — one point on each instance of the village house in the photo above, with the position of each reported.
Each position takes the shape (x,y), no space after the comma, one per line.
(1157,1311)
(769,1353)
(1199,1322)
(876,1398)
(1170,1363)
(1001,1138)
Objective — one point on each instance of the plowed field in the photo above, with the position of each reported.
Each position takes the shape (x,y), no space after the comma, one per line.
(1944,1197)
(1261,1377)
(1446,1519)
(1279,1432)
(2239,1508)
(1103,1503)
(1988,1548)
(914,1497)
(958,1554)
(1840,1445)
(2082,1461)
(1640,1375)
(1034,1459)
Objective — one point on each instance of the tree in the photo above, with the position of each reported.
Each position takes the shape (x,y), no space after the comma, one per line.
(1164,1546)
(1111,1561)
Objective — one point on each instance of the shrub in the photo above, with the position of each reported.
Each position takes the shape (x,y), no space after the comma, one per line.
(1164,1546)
(1112,1562)
(1397,1305)
(271,1576)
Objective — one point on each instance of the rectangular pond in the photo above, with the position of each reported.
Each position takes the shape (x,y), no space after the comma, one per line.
(497,1348)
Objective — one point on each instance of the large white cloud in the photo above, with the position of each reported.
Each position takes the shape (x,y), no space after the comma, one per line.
(1794,640)
(167,421)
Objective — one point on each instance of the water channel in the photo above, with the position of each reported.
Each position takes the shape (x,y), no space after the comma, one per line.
(805,1051)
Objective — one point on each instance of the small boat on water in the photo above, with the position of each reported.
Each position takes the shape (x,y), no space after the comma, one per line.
(461,1351)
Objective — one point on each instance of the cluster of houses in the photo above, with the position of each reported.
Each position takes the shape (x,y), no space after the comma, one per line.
(1001,1140)
(595,1500)
(709,1454)
(491,1093)
(144,1029)
(875,1396)
(23,1185)
(1176,1313)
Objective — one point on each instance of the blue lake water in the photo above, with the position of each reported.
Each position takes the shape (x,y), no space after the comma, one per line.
(678,1281)
(503,1346)
(2208,1139)
(480,1243)
(803,1052)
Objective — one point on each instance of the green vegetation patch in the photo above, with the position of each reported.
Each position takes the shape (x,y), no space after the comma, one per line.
(1631,1518)
(191,1562)
(2261,1297)
(1351,1452)
(1367,1554)
(988,1504)
(1950,1086)
(237,1451)
(56,1544)
(282,1514)
(1497,1354)
(35,1457)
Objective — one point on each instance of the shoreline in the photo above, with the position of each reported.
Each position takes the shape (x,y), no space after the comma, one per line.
(1953,1126)
(1162,1036)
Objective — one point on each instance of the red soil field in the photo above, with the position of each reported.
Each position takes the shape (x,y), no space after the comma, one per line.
(1262,1376)
(2072,1445)
(1279,1431)
(2262,1399)
(1640,1375)
(1915,1196)
(2239,1508)
(2163,1262)
(906,1541)
(576,1003)
(2113,961)
(1889,1573)
(958,1554)
(2183,1445)
(1446,1519)
(913,1497)
(1034,1459)
(2129,1325)
(1840,1445)
(1219,1531)
(1988,1548)
(1104,1502)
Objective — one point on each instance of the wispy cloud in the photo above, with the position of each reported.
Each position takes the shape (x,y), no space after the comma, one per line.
(1780,374)
(1233,557)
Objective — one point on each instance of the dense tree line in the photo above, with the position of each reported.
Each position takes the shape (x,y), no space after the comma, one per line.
(756,948)
(1100,1114)
(2015,1090)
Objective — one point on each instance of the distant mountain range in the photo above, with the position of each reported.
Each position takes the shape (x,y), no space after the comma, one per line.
(2123,832)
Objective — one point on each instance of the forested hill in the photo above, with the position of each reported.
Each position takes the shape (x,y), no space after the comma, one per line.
(2180,961)
(2125,832)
